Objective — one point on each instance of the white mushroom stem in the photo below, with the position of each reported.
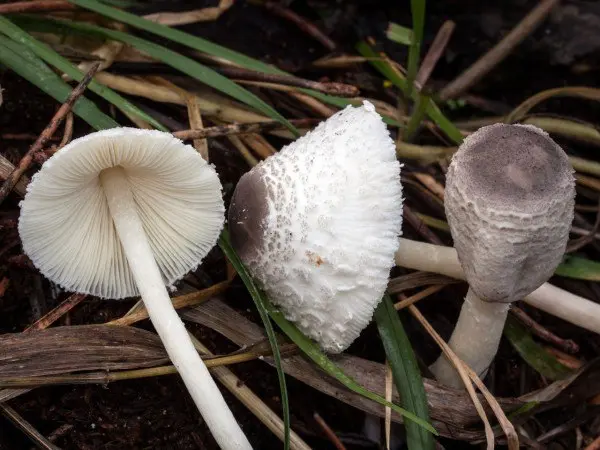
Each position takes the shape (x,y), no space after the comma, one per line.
(481,322)
(165,319)
(558,302)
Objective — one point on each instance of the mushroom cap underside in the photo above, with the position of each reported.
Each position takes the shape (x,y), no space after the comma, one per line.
(65,223)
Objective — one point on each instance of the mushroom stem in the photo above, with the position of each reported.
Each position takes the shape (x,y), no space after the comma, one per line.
(481,322)
(165,319)
(558,302)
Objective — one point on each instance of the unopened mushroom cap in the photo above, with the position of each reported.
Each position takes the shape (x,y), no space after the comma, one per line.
(510,196)
(318,224)
(66,227)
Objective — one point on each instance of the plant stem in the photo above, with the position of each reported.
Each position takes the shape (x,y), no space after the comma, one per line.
(558,302)
(167,323)
(475,339)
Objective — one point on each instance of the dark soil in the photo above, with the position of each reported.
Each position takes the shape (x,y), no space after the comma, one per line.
(157,413)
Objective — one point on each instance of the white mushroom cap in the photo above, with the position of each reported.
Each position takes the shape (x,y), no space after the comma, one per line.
(510,195)
(66,227)
(318,225)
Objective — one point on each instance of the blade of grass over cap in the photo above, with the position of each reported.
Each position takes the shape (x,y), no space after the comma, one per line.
(400,82)
(182,63)
(534,354)
(405,370)
(51,57)
(261,306)
(22,61)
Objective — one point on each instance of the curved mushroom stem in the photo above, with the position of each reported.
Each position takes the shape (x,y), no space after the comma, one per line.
(558,302)
(475,339)
(165,319)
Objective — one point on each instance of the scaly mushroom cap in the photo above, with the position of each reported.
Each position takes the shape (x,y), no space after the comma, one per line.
(66,227)
(510,195)
(318,225)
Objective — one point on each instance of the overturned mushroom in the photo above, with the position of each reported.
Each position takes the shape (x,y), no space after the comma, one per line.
(127,212)
(318,224)
(509,201)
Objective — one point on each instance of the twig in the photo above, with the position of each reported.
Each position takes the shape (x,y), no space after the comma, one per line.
(27,428)
(407,301)
(41,156)
(567,345)
(438,46)
(60,432)
(187,17)
(430,183)
(194,114)
(302,23)
(224,110)
(6,168)
(466,372)
(581,242)
(180,301)
(252,401)
(461,368)
(37,5)
(25,162)
(329,432)
(314,104)
(244,151)
(339,89)
(494,56)
(420,227)
(56,313)
(241,128)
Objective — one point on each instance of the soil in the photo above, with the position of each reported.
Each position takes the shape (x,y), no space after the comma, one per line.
(156,412)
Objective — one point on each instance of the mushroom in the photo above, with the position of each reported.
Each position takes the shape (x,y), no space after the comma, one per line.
(317,225)
(127,212)
(510,195)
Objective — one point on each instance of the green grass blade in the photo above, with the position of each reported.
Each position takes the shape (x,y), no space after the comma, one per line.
(417,8)
(262,307)
(175,35)
(399,34)
(202,45)
(182,63)
(579,268)
(18,58)
(312,350)
(304,343)
(405,370)
(51,57)
(532,353)
(400,82)
(417,116)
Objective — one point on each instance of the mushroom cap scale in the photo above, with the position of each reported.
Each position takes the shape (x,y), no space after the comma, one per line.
(318,225)
(510,196)
(65,223)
